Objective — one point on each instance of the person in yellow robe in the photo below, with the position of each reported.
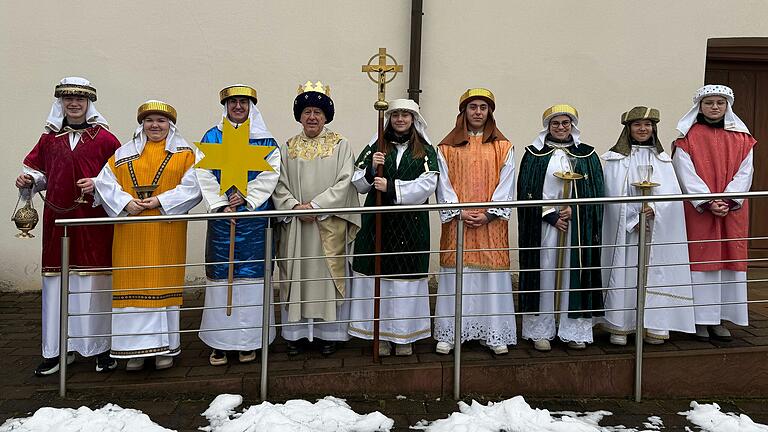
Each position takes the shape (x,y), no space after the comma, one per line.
(152,174)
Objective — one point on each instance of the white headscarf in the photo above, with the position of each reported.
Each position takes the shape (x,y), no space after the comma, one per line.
(174,143)
(56,117)
(538,143)
(731,121)
(405,105)
(258,127)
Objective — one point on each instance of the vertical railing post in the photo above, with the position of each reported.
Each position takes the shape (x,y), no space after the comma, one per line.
(458,309)
(640,318)
(64,314)
(266,308)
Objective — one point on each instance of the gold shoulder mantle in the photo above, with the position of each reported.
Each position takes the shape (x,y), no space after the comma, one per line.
(313,148)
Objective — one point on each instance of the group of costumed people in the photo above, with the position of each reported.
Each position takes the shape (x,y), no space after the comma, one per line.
(578,263)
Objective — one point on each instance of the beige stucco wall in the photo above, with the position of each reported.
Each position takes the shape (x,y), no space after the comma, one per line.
(601,56)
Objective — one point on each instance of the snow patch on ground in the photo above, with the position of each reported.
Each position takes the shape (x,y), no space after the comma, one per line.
(709,418)
(515,415)
(329,414)
(332,414)
(110,418)
(511,415)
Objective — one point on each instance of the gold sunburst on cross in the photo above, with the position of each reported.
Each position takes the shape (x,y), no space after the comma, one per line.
(235,156)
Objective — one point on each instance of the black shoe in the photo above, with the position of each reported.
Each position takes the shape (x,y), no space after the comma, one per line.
(49,366)
(294,348)
(328,348)
(105,363)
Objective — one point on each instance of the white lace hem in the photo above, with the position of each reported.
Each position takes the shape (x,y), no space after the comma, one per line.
(474,329)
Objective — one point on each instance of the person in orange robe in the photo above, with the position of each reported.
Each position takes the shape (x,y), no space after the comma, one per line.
(714,154)
(476,164)
(152,174)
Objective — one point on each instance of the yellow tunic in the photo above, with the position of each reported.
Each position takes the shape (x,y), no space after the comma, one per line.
(150,244)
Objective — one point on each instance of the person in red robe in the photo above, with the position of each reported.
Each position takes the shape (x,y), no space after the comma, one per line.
(714,154)
(74,147)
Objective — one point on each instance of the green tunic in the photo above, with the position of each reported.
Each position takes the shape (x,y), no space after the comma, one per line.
(588,217)
(401,232)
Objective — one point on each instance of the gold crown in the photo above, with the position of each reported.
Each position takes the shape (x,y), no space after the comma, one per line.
(85,91)
(559,109)
(238,90)
(477,92)
(316,87)
(156,107)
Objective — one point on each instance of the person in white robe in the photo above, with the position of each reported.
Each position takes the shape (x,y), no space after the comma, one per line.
(410,172)
(241,330)
(638,157)
(477,164)
(713,154)
(315,173)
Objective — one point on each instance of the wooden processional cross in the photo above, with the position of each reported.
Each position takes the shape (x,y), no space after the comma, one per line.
(234,157)
(377,72)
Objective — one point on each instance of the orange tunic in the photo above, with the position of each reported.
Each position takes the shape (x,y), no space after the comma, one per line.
(716,155)
(150,244)
(474,171)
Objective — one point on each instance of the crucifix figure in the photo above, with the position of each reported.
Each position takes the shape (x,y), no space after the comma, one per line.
(381,105)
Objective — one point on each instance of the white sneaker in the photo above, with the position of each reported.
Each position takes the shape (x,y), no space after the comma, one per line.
(618,339)
(385,348)
(135,364)
(246,356)
(577,345)
(403,349)
(499,349)
(163,362)
(443,348)
(652,340)
(720,332)
(542,345)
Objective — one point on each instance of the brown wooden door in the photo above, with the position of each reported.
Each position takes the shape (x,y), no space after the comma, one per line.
(742,64)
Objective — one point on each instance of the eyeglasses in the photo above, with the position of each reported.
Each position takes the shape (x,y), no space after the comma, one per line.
(556,124)
(238,101)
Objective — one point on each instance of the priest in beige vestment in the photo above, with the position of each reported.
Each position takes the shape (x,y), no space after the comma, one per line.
(316,172)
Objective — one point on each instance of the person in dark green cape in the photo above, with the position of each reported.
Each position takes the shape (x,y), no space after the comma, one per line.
(558,150)
(410,177)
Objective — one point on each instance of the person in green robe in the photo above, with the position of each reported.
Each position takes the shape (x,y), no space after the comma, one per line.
(410,177)
(558,150)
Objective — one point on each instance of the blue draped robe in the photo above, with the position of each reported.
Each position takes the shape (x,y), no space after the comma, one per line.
(249,233)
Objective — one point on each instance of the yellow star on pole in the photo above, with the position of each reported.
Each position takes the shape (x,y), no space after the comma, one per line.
(235,156)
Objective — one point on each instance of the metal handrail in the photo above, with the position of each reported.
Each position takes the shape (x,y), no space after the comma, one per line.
(268,304)
(406,208)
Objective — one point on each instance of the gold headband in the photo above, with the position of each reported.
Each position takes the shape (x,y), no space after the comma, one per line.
(156,107)
(559,109)
(477,93)
(238,90)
